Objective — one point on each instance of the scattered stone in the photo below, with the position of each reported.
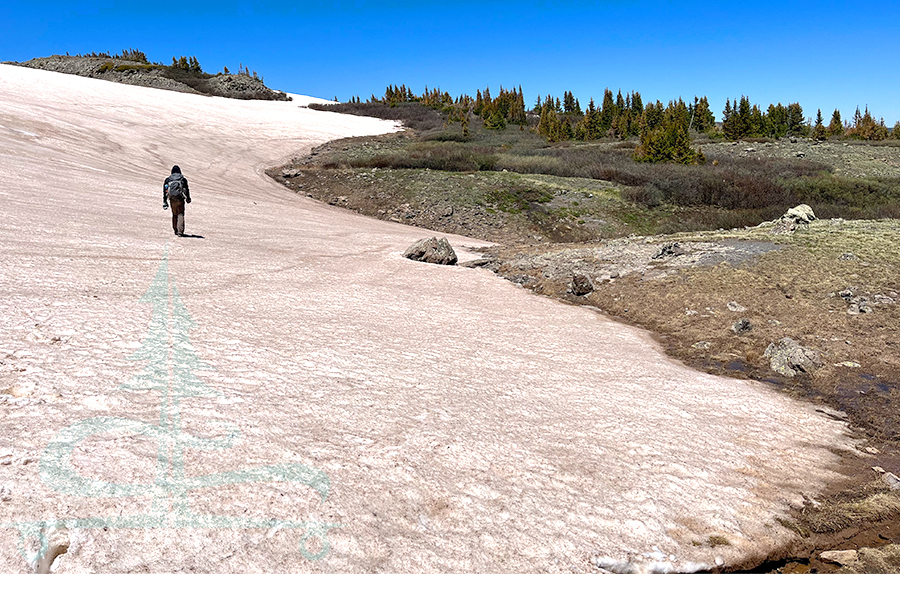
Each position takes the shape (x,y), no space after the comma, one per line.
(291,173)
(669,249)
(6,459)
(841,558)
(432,250)
(5,494)
(872,450)
(581,284)
(788,358)
(847,364)
(878,470)
(735,307)
(690,313)
(891,480)
(742,326)
(702,345)
(859,306)
(848,257)
(883,300)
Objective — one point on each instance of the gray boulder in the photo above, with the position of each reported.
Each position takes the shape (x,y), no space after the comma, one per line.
(581,284)
(432,250)
(788,358)
(801,215)
(742,326)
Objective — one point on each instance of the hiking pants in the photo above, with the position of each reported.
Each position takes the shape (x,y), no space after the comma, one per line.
(177,205)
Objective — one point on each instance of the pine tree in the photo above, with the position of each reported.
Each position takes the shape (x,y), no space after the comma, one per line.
(835,127)
(668,140)
(819,133)
(795,119)
(607,112)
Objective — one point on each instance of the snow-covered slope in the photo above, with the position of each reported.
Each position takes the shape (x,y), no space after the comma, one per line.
(460,423)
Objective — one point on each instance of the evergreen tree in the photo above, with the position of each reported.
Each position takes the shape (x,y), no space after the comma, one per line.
(795,119)
(702,117)
(835,127)
(607,112)
(819,133)
(669,140)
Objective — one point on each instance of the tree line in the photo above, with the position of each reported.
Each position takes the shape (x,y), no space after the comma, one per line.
(665,131)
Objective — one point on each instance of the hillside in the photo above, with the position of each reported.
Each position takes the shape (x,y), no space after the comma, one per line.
(234,86)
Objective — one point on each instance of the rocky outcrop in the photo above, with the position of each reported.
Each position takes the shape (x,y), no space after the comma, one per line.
(156,76)
(432,250)
(801,215)
(788,358)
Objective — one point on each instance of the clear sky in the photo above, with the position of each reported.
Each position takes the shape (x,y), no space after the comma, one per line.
(822,54)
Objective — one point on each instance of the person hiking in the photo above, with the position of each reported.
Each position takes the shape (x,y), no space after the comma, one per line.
(176,194)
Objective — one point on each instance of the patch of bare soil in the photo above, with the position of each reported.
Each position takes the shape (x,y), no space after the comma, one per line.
(717,301)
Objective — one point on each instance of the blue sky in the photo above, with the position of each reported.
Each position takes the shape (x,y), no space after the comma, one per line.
(822,54)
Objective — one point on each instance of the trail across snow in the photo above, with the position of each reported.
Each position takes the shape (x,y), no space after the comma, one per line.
(465,424)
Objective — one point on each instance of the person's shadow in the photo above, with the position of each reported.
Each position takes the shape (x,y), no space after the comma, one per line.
(192,236)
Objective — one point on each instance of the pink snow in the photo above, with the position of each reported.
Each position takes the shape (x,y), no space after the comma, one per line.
(465,424)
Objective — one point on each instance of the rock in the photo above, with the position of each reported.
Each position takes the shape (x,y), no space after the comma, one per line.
(433,251)
(891,480)
(801,215)
(742,326)
(847,256)
(842,558)
(669,249)
(5,494)
(735,307)
(702,345)
(581,284)
(788,358)
(858,306)
(883,300)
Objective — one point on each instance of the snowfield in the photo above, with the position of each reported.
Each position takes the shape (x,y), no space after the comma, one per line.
(462,423)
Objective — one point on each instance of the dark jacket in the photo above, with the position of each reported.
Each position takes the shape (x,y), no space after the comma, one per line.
(176,174)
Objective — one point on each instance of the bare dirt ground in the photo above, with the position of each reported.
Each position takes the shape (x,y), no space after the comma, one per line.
(691,289)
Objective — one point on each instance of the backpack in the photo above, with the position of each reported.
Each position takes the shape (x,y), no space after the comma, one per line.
(175,185)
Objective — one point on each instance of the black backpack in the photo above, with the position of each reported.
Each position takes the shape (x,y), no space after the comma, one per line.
(175,185)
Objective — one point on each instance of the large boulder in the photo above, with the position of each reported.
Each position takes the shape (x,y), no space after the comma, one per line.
(801,215)
(788,358)
(581,284)
(432,250)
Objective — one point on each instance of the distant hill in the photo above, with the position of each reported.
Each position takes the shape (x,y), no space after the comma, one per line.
(157,76)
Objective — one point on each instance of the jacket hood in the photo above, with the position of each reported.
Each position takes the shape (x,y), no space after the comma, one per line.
(176,169)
